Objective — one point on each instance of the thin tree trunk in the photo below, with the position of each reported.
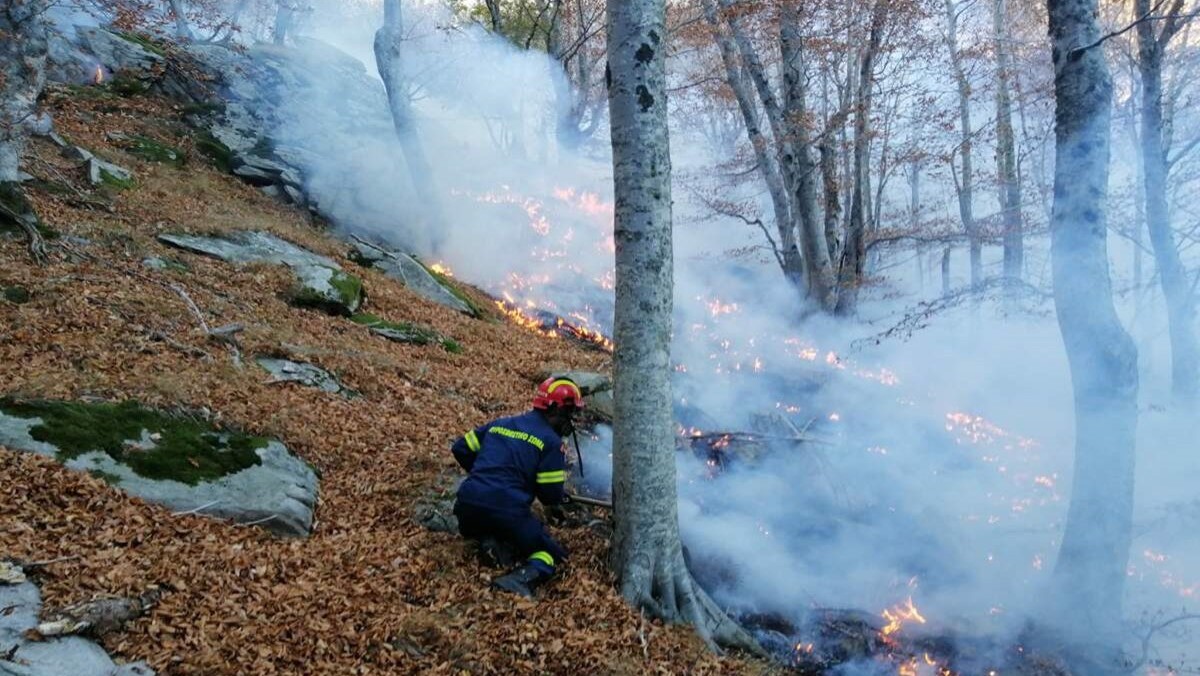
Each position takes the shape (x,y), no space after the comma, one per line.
(818,265)
(1089,577)
(647,554)
(1006,148)
(791,262)
(23,51)
(966,182)
(851,273)
(829,182)
(493,8)
(1181,312)
(388,58)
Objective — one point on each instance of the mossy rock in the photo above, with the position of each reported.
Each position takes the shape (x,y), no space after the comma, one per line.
(114,182)
(404,332)
(144,41)
(17,295)
(204,108)
(450,286)
(153,151)
(153,444)
(212,148)
(326,289)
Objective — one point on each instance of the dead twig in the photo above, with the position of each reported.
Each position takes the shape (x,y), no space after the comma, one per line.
(594,502)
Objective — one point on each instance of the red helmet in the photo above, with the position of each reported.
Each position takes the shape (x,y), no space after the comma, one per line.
(558,392)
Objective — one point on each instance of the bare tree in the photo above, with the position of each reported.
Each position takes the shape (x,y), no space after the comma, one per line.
(389,58)
(1006,147)
(1089,576)
(964,183)
(647,554)
(1153,40)
(853,253)
(23,48)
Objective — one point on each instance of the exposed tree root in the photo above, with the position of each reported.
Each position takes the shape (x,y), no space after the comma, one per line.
(15,208)
(665,589)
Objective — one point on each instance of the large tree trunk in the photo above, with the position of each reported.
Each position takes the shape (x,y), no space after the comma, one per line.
(851,273)
(789,258)
(388,58)
(965,185)
(1181,312)
(818,265)
(182,30)
(647,554)
(23,48)
(1006,148)
(1089,577)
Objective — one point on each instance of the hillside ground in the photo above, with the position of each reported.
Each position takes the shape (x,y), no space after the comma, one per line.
(370,592)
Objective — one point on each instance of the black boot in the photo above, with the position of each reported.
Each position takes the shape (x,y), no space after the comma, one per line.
(497,554)
(523,580)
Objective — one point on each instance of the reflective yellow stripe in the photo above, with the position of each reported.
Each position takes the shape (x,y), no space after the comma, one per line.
(472,441)
(552,477)
(569,383)
(544,557)
(520,436)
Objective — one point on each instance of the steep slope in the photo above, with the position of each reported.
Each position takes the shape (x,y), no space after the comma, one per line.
(369,591)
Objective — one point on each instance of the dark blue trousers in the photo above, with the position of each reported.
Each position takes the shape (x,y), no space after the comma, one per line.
(522,530)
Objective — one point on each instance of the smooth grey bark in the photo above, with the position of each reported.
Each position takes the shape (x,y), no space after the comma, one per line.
(965,183)
(23,50)
(285,18)
(1181,309)
(182,30)
(789,257)
(1089,576)
(829,185)
(493,8)
(850,274)
(818,265)
(389,59)
(1009,181)
(647,555)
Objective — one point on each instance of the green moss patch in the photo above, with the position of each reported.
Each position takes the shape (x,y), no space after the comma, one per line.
(114,182)
(153,444)
(405,332)
(143,41)
(128,85)
(18,295)
(342,296)
(449,285)
(15,205)
(153,151)
(212,148)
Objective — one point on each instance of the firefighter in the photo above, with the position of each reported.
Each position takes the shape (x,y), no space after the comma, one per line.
(510,462)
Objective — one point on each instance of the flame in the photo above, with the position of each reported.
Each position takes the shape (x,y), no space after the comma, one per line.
(441,269)
(98,76)
(899,614)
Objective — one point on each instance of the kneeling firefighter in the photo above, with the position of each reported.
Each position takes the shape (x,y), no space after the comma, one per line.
(511,461)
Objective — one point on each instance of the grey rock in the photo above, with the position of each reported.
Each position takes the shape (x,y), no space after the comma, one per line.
(255,176)
(406,270)
(249,247)
(291,178)
(327,289)
(65,61)
(273,191)
(23,177)
(261,163)
(76,153)
(588,381)
(116,52)
(397,335)
(279,494)
(285,370)
(41,125)
(100,172)
(294,196)
(58,140)
(61,656)
(601,405)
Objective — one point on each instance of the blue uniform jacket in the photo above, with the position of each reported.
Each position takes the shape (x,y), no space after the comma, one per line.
(511,461)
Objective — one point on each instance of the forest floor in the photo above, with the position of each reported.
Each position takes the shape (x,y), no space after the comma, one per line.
(370,592)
